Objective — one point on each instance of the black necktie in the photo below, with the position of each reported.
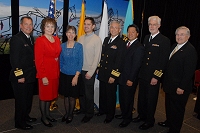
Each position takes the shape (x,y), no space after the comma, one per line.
(29,38)
(110,41)
(150,38)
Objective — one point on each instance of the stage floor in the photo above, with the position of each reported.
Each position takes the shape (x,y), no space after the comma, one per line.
(96,125)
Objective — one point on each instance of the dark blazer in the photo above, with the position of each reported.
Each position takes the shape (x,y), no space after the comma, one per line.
(111,58)
(22,57)
(155,57)
(132,62)
(180,69)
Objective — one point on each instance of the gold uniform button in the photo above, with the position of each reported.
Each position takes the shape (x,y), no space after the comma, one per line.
(107,56)
(147,64)
(105,67)
(147,58)
(106,62)
(149,52)
(102,54)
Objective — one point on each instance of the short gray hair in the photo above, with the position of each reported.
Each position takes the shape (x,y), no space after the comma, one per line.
(183,28)
(115,21)
(156,18)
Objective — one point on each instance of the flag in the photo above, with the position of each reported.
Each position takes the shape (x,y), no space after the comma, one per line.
(81,22)
(51,12)
(103,31)
(129,17)
(1,24)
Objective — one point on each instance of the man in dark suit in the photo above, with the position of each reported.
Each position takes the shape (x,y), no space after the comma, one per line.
(23,73)
(109,71)
(128,79)
(178,80)
(156,55)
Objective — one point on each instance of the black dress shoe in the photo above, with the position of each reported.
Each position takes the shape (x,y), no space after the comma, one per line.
(29,119)
(69,120)
(163,124)
(145,126)
(51,119)
(99,114)
(124,124)
(198,116)
(107,120)
(47,124)
(118,116)
(137,119)
(85,119)
(77,111)
(26,127)
(63,119)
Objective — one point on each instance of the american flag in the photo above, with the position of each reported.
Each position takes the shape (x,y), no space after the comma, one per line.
(51,12)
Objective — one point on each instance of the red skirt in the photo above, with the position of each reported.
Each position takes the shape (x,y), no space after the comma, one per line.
(48,92)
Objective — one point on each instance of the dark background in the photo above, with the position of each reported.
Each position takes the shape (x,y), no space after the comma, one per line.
(174,13)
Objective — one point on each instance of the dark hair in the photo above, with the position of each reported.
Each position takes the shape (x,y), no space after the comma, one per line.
(27,17)
(48,20)
(91,19)
(136,27)
(69,27)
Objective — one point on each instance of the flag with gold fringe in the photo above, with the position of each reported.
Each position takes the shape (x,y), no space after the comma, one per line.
(81,22)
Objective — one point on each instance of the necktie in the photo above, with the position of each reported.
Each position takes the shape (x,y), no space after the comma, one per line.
(174,51)
(110,41)
(150,38)
(128,44)
(29,38)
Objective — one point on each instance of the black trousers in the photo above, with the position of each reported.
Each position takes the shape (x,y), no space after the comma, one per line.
(147,100)
(175,110)
(87,98)
(107,99)
(23,93)
(126,100)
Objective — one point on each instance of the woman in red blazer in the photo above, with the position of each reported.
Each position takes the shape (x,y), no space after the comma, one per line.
(47,51)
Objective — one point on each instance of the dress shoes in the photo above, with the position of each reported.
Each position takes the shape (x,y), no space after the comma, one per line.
(69,120)
(107,120)
(46,124)
(26,127)
(145,126)
(124,124)
(63,119)
(85,119)
(29,119)
(198,116)
(51,119)
(118,116)
(99,114)
(136,119)
(163,124)
(77,111)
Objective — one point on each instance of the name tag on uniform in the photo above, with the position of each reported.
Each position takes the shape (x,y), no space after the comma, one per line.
(155,45)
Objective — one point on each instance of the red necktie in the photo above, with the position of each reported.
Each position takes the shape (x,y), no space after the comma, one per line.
(128,44)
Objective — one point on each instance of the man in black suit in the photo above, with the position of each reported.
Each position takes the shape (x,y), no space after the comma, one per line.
(128,79)
(23,73)
(178,80)
(109,71)
(157,48)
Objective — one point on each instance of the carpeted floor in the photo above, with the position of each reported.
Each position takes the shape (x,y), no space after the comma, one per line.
(96,125)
